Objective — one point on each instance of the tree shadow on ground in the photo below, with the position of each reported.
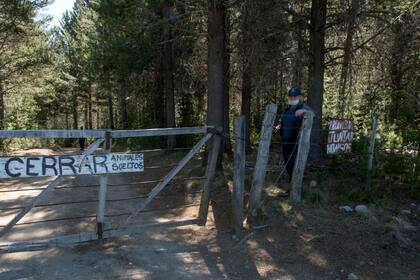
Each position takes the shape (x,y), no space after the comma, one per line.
(292,246)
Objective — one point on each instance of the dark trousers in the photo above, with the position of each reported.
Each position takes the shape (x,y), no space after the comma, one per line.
(289,155)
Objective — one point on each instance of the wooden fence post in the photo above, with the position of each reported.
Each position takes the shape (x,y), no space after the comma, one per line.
(210,174)
(371,152)
(103,184)
(304,143)
(239,175)
(262,159)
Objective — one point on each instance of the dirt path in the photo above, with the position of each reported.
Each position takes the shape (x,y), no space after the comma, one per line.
(300,243)
(288,249)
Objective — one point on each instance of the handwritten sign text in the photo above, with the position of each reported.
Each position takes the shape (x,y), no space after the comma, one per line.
(340,136)
(37,166)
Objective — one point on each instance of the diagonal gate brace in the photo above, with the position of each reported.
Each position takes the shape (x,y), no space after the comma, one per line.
(155,191)
(28,207)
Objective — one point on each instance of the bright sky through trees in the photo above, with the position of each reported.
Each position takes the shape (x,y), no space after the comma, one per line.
(57,8)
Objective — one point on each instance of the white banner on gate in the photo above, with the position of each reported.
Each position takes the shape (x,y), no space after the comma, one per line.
(37,166)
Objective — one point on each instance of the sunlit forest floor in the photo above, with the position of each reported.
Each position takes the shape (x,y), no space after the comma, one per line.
(314,240)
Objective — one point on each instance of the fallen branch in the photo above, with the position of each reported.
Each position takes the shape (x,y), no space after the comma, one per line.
(245,238)
(259,227)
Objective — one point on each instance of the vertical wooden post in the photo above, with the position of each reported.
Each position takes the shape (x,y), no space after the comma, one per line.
(103,184)
(371,152)
(304,143)
(210,174)
(239,175)
(262,159)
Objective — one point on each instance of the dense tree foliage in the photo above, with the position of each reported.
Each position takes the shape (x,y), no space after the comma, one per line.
(24,54)
(162,63)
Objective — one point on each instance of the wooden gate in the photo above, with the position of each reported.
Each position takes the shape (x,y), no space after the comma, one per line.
(125,226)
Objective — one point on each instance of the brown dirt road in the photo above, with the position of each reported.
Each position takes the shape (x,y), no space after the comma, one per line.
(299,243)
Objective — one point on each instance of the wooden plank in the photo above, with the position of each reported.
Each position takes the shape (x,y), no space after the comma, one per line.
(372,142)
(120,214)
(75,239)
(132,230)
(110,185)
(239,175)
(371,151)
(77,133)
(60,241)
(140,196)
(155,191)
(159,132)
(103,185)
(262,159)
(301,157)
(210,174)
(28,207)
(53,133)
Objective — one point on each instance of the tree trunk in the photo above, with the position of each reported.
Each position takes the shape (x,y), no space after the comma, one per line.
(110,111)
(316,73)
(109,123)
(416,169)
(227,140)
(75,115)
(215,60)
(298,65)
(396,65)
(89,103)
(2,109)
(2,112)
(168,71)
(246,53)
(281,91)
(258,115)
(246,104)
(122,103)
(67,119)
(351,27)
(86,115)
(158,96)
(96,115)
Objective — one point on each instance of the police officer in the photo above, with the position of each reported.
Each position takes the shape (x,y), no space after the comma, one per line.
(289,126)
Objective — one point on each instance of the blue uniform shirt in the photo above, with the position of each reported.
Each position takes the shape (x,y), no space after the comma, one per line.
(290,124)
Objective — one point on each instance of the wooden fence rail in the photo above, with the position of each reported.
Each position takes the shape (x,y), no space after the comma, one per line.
(69,133)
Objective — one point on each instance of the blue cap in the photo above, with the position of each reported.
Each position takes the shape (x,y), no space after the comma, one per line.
(295,91)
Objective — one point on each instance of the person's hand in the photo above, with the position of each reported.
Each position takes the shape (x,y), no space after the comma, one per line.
(300,112)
